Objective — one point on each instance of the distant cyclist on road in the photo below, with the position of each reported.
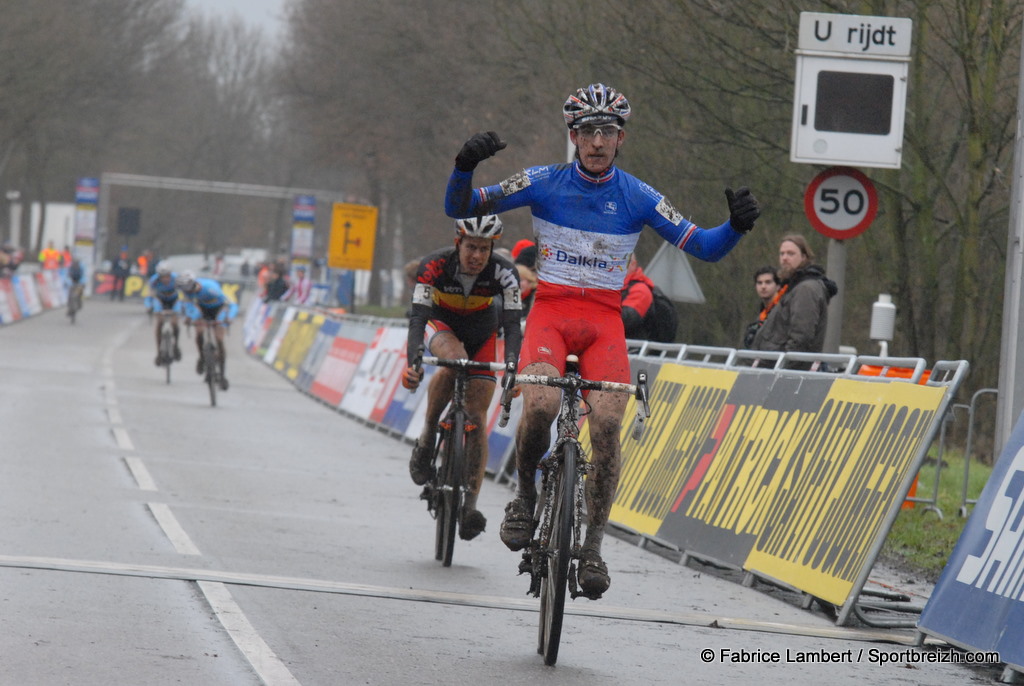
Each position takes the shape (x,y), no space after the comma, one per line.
(454,311)
(587,217)
(205,303)
(76,280)
(163,297)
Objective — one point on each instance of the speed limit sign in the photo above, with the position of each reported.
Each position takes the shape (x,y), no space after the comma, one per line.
(840,203)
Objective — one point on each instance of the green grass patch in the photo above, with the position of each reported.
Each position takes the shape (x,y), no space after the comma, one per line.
(919,539)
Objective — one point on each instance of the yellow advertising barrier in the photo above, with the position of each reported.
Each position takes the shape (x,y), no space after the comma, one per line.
(296,343)
(793,477)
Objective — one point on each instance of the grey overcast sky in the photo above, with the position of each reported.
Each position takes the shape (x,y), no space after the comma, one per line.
(266,14)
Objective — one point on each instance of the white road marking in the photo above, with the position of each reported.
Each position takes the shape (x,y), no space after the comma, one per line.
(270,669)
(110,392)
(174,531)
(266,663)
(140,474)
(122,439)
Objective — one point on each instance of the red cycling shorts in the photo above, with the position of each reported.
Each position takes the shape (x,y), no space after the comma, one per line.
(582,322)
(487,352)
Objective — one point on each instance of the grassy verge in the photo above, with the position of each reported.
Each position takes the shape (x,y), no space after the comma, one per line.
(919,540)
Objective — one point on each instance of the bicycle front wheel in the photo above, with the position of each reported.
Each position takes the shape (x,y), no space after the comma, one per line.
(167,351)
(558,555)
(451,479)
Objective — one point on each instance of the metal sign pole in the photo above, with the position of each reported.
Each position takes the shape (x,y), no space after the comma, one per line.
(1011,382)
(836,270)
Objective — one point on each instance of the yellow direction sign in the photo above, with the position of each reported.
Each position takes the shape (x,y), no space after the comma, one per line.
(353,232)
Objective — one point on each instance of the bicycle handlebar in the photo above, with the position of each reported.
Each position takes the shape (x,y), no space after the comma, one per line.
(576,383)
(508,384)
(461,363)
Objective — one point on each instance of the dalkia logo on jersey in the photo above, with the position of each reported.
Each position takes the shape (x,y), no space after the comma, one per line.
(580,260)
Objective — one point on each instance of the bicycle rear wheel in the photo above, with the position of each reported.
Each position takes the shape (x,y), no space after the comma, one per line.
(451,479)
(558,555)
(72,306)
(210,361)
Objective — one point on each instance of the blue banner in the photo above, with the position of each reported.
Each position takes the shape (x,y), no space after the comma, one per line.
(87,192)
(978,602)
(304,210)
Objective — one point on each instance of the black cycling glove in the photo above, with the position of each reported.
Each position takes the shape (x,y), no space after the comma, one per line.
(743,209)
(477,149)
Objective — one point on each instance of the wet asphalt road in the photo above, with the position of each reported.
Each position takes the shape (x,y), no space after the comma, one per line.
(149,538)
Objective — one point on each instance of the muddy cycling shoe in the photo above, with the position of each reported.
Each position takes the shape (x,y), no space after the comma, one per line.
(420,467)
(517,527)
(592,575)
(471,524)
(200,367)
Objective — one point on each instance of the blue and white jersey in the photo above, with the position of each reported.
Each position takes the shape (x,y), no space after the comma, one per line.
(210,296)
(163,294)
(587,227)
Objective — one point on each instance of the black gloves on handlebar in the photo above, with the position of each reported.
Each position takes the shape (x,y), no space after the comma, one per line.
(743,209)
(477,149)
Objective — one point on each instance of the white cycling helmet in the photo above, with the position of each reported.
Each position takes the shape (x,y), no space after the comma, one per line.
(185,281)
(163,269)
(487,226)
(596,104)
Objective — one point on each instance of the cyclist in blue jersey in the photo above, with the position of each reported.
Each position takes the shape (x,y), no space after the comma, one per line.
(587,217)
(205,303)
(163,296)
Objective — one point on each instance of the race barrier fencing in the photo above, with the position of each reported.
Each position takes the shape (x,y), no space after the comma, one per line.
(793,476)
(30,293)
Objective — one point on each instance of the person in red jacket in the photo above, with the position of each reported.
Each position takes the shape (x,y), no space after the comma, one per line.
(637,300)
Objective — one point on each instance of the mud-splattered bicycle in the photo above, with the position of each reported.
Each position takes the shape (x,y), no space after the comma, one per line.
(445,493)
(552,556)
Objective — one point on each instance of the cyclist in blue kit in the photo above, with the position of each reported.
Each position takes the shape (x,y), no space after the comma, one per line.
(587,218)
(206,305)
(163,297)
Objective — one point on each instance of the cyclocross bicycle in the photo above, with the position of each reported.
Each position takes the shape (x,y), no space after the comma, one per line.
(445,492)
(214,374)
(75,300)
(166,351)
(553,554)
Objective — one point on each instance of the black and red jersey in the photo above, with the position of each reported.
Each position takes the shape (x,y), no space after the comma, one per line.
(468,305)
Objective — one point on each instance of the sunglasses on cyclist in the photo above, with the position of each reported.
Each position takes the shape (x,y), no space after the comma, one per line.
(590,131)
